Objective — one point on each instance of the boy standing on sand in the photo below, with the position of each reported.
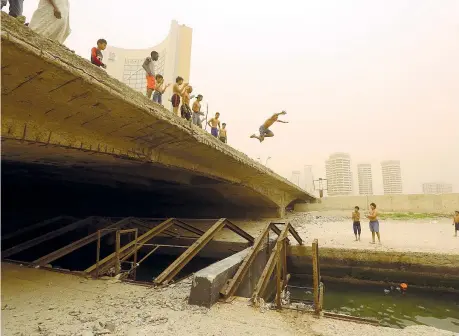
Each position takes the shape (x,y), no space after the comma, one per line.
(374,224)
(356,222)
(96,53)
(264,129)
(456,222)
(214,123)
(149,67)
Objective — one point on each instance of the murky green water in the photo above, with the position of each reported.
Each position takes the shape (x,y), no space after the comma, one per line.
(440,310)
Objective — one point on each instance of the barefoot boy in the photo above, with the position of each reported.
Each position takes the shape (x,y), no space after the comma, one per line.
(456,222)
(264,129)
(185,110)
(197,111)
(214,123)
(178,90)
(149,67)
(223,135)
(159,89)
(374,224)
(356,223)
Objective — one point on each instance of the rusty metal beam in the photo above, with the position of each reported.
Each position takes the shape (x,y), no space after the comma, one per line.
(188,227)
(78,244)
(50,235)
(35,226)
(186,256)
(236,229)
(269,268)
(316,275)
(129,249)
(295,234)
(232,285)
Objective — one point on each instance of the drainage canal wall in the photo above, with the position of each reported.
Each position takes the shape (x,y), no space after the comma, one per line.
(423,270)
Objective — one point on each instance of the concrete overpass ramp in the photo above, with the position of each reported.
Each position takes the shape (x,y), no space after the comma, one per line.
(73,137)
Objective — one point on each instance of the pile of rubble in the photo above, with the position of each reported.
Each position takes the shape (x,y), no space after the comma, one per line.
(298,219)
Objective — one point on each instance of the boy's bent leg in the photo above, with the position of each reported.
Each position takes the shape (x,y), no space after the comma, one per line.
(268,133)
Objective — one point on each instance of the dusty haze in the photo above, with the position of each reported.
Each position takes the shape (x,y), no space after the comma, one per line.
(376,79)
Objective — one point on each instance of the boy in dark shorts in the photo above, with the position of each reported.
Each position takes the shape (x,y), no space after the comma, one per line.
(222,135)
(214,124)
(178,90)
(356,223)
(96,53)
(264,130)
(456,222)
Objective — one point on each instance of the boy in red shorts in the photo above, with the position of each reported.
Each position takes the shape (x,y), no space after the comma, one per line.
(149,66)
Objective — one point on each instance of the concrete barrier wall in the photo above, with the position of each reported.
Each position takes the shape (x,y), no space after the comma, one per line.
(442,204)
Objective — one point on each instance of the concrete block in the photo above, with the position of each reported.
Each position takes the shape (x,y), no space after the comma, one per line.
(208,282)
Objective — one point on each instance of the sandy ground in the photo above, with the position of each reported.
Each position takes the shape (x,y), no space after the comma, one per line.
(39,302)
(416,235)
(334,229)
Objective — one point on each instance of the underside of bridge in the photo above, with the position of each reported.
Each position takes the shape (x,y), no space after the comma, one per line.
(77,142)
(40,181)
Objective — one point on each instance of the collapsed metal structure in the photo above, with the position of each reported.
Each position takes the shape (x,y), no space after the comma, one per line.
(120,226)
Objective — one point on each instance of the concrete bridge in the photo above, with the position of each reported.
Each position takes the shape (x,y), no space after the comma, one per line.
(66,123)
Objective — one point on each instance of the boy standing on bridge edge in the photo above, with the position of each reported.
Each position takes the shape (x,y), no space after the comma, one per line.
(264,129)
(214,123)
(456,222)
(96,53)
(149,66)
(356,223)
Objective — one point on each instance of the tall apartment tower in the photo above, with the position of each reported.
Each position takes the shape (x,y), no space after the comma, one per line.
(308,179)
(296,177)
(365,179)
(437,188)
(392,177)
(339,176)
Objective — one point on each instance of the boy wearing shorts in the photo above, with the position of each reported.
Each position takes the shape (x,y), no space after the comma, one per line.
(356,223)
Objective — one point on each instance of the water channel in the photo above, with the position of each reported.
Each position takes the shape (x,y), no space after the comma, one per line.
(393,309)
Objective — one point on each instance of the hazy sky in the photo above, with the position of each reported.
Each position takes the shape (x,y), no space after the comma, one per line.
(376,79)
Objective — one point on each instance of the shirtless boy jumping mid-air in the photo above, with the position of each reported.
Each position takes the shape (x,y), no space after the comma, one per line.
(264,130)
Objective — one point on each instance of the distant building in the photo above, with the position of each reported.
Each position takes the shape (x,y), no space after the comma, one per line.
(339,176)
(308,179)
(392,177)
(174,60)
(295,179)
(437,188)
(365,179)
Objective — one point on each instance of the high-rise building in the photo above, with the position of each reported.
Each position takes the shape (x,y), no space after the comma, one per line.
(308,179)
(296,177)
(437,188)
(174,60)
(392,177)
(339,176)
(365,179)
